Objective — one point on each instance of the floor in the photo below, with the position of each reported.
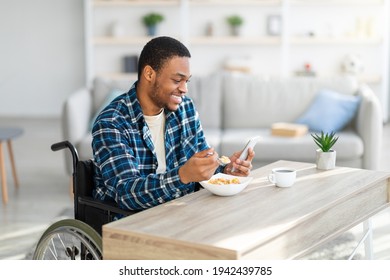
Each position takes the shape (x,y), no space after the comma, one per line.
(43,191)
(44,195)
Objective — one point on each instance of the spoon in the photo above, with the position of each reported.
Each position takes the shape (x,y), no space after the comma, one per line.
(223,160)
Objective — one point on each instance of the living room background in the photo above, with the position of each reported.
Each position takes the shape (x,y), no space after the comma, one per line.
(44,56)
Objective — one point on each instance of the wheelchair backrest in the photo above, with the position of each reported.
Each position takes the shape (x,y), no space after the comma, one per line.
(93,212)
(87,209)
(84,178)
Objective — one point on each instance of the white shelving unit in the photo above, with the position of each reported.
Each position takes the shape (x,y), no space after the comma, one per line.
(318,32)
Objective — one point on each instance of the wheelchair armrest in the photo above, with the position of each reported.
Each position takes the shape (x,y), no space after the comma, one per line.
(107,206)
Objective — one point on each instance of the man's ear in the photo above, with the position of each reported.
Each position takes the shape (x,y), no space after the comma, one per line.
(149,73)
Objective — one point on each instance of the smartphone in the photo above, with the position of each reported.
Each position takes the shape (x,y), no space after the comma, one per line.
(250,144)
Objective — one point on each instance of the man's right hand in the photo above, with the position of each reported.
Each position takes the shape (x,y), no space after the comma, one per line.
(201,166)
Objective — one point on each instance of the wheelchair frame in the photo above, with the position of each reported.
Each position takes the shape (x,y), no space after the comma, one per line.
(79,238)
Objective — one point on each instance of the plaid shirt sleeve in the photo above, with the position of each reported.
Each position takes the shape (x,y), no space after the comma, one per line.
(125,160)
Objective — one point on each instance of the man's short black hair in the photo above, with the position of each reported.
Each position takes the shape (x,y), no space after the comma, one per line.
(158,50)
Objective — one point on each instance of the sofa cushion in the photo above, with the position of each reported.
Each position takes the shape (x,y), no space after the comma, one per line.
(330,111)
(254,102)
(102,87)
(206,92)
(272,148)
(213,137)
(110,96)
(84,147)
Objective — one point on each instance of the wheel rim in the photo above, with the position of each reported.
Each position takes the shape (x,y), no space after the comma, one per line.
(69,240)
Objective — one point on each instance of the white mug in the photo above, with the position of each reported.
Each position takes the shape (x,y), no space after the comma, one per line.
(283,177)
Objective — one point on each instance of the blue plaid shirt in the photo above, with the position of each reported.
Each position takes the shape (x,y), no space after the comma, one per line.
(126,160)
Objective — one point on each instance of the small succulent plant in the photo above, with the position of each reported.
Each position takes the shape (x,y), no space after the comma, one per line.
(325,141)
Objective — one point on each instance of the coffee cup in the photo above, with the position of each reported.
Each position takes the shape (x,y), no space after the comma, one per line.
(283,177)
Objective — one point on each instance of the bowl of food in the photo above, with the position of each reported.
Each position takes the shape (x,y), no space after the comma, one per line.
(226,185)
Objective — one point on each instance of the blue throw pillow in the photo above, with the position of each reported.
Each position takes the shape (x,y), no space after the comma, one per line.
(111,96)
(330,111)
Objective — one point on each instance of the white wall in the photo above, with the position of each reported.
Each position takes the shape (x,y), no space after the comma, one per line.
(41,55)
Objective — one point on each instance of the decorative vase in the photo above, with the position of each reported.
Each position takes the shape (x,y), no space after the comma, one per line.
(325,160)
(235,30)
(152,30)
(209,29)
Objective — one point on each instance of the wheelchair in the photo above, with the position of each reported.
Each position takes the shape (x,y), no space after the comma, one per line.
(78,238)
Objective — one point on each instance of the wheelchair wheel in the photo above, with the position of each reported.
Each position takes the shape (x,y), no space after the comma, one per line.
(69,240)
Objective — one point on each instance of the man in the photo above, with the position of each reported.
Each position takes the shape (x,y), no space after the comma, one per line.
(148,143)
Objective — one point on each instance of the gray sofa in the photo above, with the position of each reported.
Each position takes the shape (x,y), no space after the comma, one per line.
(234,107)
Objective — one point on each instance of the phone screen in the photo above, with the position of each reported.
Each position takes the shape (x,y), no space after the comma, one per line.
(250,144)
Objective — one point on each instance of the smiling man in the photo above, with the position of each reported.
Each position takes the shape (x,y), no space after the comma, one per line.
(148,143)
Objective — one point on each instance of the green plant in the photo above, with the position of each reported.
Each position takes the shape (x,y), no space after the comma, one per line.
(152,19)
(235,20)
(325,141)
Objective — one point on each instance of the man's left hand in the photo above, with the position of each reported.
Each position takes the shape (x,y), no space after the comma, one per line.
(241,167)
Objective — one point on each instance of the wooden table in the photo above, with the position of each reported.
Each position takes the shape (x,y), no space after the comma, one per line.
(7,134)
(262,222)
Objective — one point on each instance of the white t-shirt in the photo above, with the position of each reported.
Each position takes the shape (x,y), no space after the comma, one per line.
(157,129)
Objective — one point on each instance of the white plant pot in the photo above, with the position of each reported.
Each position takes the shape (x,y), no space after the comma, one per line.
(325,160)
(235,30)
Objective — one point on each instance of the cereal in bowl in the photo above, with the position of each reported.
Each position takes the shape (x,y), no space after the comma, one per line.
(223,181)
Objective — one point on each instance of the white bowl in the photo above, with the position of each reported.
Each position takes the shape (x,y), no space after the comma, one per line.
(226,190)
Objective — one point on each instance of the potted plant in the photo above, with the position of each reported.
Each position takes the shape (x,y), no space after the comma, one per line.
(325,155)
(235,22)
(151,20)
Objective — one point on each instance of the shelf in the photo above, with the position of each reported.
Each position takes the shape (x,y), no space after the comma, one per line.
(235,2)
(109,40)
(220,40)
(191,2)
(106,3)
(271,55)
(230,40)
(276,54)
(369,79)
(336,2)
(361,78)
(335,41)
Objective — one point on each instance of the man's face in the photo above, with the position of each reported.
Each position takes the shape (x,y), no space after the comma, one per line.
(170,84)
